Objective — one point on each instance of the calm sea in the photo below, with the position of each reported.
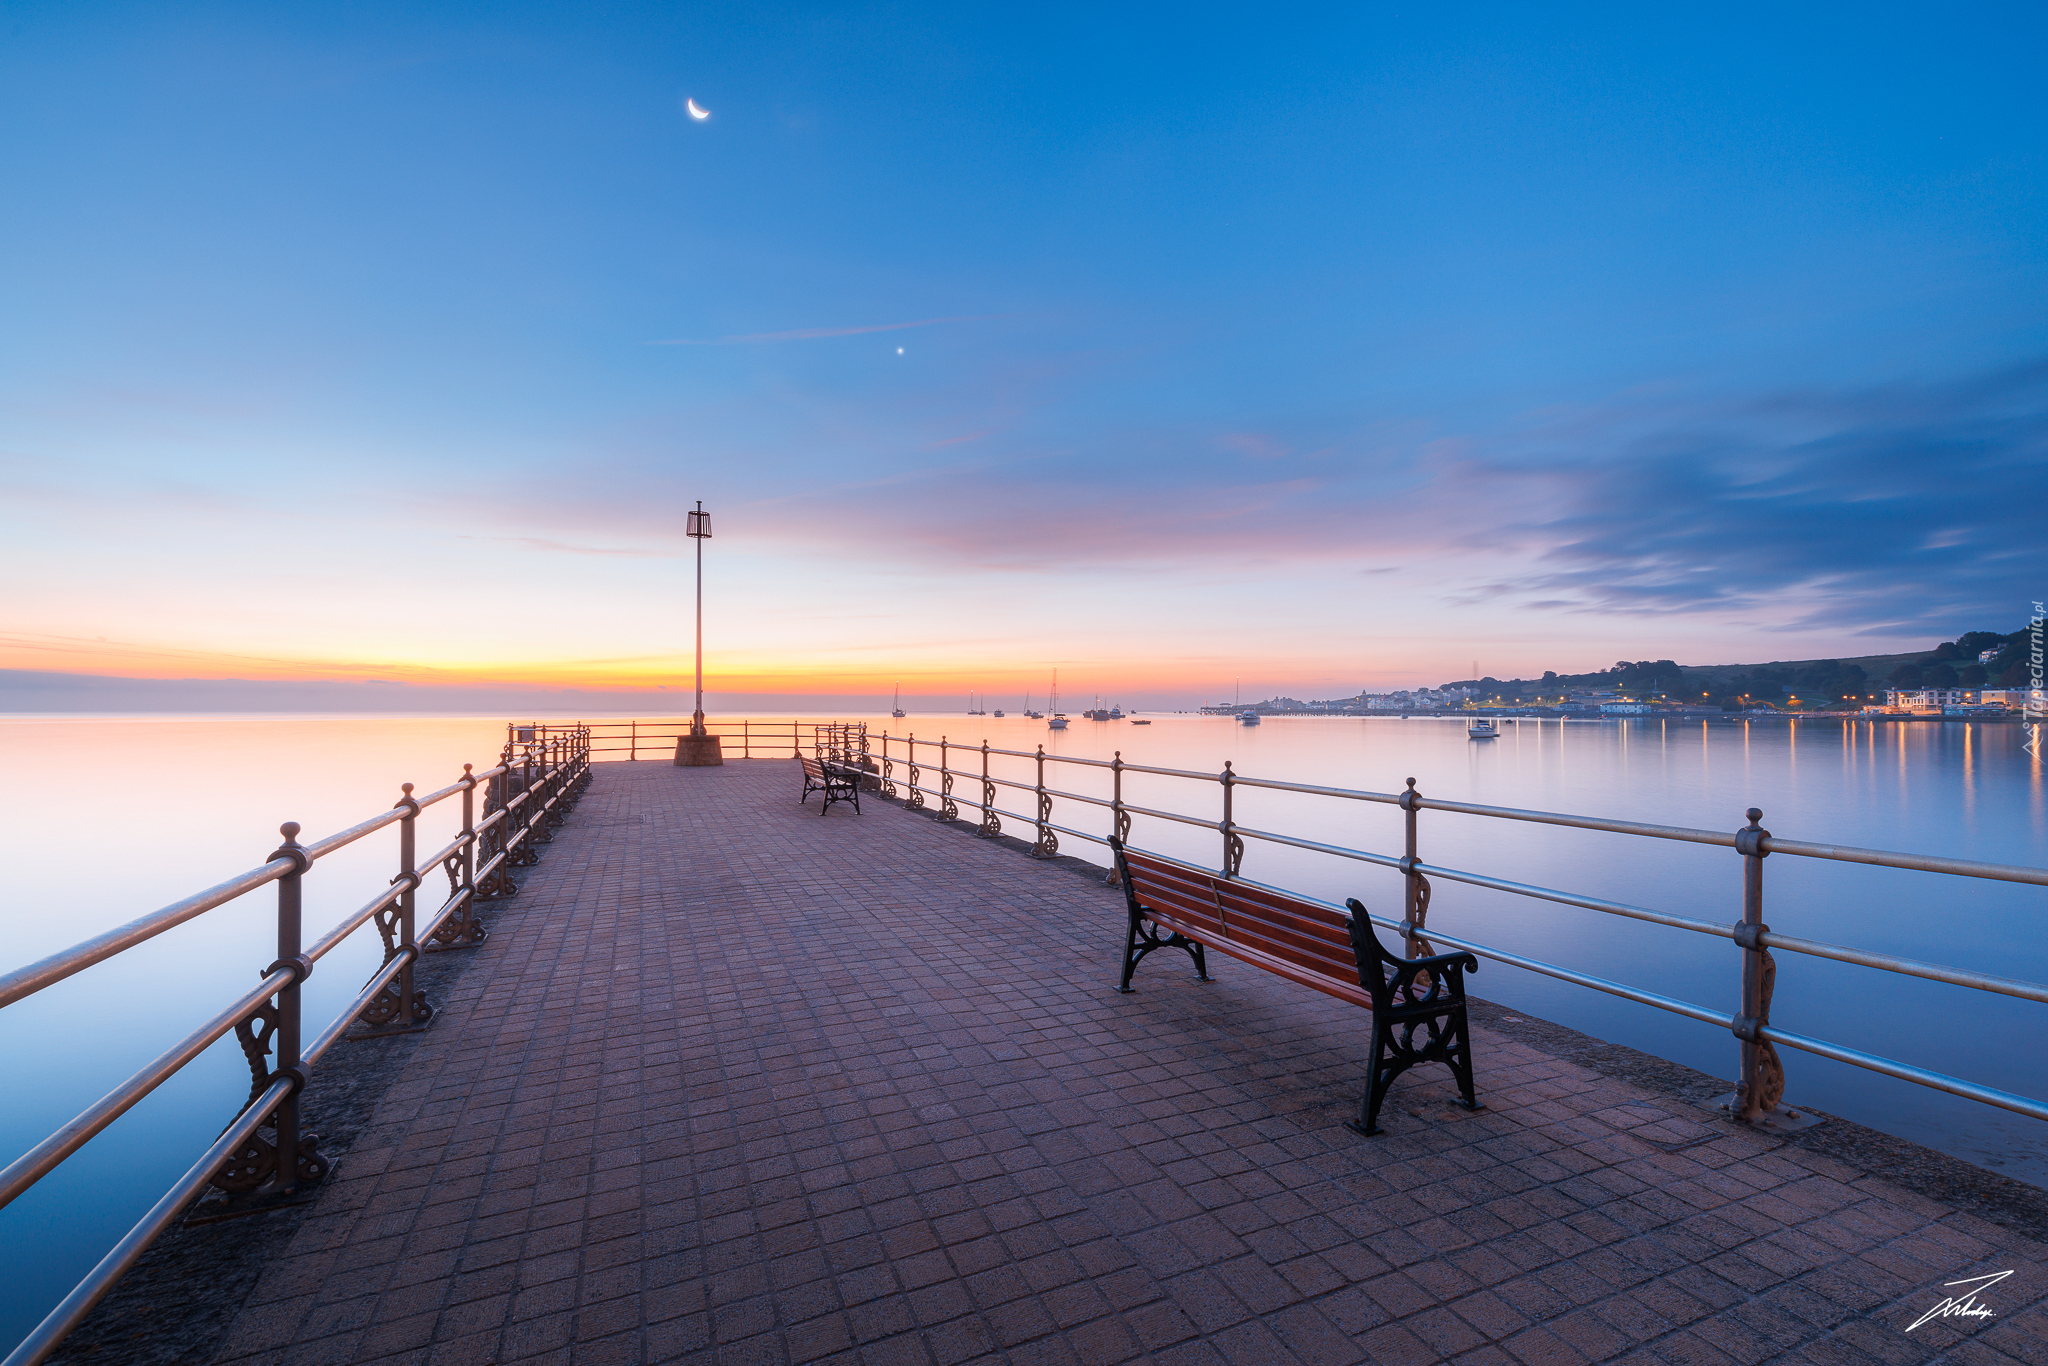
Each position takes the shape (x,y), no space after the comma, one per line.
(108,818)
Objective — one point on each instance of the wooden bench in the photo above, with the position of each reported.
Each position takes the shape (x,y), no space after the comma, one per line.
(838,784)
(1176,905)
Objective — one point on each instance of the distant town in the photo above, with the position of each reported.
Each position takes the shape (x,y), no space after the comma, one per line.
(1980,674)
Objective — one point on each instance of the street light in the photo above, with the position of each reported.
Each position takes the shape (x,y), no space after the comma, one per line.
(699,749)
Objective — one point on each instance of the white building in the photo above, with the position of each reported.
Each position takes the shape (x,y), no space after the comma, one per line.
(1986,656)
(1930,699)
(1626,709)
(2013,699)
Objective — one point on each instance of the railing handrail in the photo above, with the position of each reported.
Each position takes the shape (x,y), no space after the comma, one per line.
(46,972)
(1775,844)
(551,773)
(1750,934)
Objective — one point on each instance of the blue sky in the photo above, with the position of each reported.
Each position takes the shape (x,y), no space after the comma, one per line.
(1326,348)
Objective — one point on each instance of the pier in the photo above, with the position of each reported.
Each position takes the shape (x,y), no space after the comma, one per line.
(733,1082)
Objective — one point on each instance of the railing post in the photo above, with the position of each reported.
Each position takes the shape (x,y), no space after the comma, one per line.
(888,769)
(913,799)
(544,787)
(556,781)
(1415,901)
(1763,1077)
(990,825)
(1048,843)
(1233,846)
(633,742)
(473,931)
(271,1170)
(413,1003)
(948,810)
(293,1165)
(399,1007)
(521,826)
(492,840)
(1120,819)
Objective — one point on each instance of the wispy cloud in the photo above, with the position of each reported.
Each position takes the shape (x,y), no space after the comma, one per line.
(1904,507)
(1887,509)
(564,548)
(816,333)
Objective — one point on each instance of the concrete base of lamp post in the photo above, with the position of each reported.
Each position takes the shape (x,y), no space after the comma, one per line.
(698,751)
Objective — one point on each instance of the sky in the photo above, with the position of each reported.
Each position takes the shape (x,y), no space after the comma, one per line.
(1184,349)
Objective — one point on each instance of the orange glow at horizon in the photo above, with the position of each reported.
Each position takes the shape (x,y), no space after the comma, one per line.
(726,671)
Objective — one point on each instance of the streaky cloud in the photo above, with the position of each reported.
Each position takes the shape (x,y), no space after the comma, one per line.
(1894,509)
(817,333)
(1887,509)
(565,548)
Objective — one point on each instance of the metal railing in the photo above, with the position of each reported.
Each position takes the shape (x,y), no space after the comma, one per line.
(1760,1093)
(526,796)
(645,739)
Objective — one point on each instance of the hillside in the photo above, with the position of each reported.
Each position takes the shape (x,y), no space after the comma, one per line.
(1821,682)
(1874,666)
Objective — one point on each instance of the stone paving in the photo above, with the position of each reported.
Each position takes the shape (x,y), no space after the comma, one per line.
(733,1082)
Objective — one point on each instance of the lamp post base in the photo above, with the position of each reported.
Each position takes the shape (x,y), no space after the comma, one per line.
(698,751)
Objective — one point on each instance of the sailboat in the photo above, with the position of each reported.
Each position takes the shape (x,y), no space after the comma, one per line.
(1059,718)
(1034,715)
(971,709)
(899,701)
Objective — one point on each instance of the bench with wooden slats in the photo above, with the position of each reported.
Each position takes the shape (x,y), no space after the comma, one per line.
(1179,906)
(838,784)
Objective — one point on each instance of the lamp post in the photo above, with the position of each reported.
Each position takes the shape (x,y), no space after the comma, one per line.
(699,749)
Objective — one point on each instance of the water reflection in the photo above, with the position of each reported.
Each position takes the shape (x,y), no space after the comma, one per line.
(1961,789)
(107,819)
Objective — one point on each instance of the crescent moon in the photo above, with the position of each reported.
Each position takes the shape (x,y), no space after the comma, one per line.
(698,114)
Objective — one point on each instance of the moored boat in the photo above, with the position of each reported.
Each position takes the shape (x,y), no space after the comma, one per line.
(1483,730)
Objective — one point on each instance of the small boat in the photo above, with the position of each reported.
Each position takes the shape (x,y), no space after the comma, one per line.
(1483,730)
(1247,718)
(1058,722)
(999,711)
(898,704)
(1115,714)
(1059,718)
(1139,721)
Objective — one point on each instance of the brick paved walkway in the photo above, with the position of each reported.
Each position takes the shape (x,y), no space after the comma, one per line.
(733,1082)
